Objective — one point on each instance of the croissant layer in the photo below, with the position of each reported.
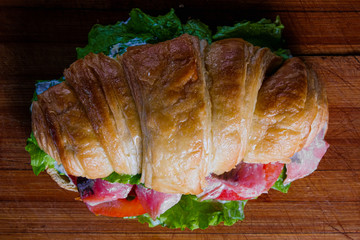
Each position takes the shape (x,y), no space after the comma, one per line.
(69,133)
(169,88)
(90,78)
(236,70)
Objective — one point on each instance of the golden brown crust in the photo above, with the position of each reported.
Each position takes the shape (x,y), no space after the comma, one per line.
(86,77)
(42,132)
(171,96)
(285,110)
(322,115)
(236,70)
(80,152)
(53,103)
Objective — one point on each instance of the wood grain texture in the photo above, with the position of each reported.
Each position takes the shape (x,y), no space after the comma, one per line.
(263,218)
(38,40)
(254,5)
(166,236)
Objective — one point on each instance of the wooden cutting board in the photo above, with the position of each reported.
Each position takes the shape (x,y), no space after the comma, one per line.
(38,40)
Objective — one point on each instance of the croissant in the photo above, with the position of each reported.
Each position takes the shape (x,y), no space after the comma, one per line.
(178,111)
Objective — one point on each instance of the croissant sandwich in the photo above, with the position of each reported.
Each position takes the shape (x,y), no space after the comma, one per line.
(181,122)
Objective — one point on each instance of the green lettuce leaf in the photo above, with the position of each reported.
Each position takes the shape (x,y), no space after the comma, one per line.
(191,213)
(263,33)
(101,38)
(140,28)
(123,178)
(199,29)
(162,28)
(284,53)
(279,184)
(39,159)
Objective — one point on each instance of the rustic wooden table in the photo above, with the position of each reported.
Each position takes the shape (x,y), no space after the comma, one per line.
(38,40)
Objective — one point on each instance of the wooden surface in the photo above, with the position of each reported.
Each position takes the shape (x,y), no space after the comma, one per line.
(38,40)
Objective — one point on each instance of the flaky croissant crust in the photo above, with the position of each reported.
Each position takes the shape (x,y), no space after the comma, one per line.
(179,110)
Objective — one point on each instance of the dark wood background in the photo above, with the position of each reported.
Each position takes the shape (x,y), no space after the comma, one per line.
(38,40)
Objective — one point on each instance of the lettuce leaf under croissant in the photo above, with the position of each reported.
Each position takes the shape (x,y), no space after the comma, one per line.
(40,160)
(141,28)
(192,213)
